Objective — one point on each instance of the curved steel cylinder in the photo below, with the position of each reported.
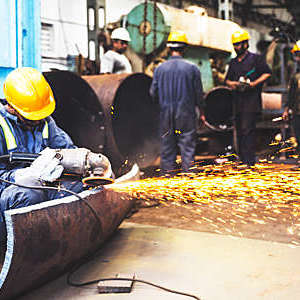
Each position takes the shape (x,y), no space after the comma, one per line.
(45,239)
(112,114)
(219,108)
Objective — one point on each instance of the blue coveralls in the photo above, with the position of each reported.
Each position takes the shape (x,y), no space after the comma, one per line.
(247,105)
(16,138)
(178,87)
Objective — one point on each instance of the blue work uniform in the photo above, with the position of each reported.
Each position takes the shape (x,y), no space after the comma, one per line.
(247,104)
(177,86)
(14,137)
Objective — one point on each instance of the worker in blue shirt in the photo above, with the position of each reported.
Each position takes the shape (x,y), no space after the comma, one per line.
(26,126)
(177,87)
(246,75)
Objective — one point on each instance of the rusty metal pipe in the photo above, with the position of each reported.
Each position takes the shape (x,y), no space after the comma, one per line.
(219,107)
(44,240)
(112,114)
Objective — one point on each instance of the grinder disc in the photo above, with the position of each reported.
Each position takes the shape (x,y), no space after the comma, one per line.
(97,180)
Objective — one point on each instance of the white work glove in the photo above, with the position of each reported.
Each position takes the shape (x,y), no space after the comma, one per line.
(26,177)
(46,167)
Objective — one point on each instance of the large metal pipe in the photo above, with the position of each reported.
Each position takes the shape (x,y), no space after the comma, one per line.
(45,239)
(219,107)
(113,114)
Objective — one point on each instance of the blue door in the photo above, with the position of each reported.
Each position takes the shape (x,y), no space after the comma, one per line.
(20,36)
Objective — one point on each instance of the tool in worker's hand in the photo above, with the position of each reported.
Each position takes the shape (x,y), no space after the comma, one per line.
(80,163)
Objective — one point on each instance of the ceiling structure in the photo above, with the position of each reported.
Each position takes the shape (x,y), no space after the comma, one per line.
(281,16)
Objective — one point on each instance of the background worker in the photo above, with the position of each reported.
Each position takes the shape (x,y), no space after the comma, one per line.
(114,60)
(246,75)
(177,86)
(26,126)
(293,103)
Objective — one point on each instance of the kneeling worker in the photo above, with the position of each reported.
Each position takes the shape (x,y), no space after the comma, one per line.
(27,127)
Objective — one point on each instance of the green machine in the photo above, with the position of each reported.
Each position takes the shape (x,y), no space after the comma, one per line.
(149,28)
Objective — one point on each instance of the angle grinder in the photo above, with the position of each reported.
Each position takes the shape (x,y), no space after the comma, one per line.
(92,169)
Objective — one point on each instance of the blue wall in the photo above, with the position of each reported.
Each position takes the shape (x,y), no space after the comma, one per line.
(20,36)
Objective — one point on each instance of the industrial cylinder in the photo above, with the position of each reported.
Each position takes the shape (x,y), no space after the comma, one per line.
(218,108)
(111,114)
(150,24)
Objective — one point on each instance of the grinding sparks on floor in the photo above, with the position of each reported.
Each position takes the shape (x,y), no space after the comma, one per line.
(265,194)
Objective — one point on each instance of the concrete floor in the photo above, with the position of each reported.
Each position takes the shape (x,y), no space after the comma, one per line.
(210,266)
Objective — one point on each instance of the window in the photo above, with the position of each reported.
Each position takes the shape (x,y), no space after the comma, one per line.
(47,39)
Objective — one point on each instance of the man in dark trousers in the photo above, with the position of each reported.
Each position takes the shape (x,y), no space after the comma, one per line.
(293,103)
(246,75)
(177,86)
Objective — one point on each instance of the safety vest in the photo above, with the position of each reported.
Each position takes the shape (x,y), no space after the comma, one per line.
(9,135)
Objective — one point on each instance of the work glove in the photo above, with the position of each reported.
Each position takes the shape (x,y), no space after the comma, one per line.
(25,176)
(47,167)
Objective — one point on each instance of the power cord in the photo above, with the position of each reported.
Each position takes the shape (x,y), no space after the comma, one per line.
(88,258)
(133,280)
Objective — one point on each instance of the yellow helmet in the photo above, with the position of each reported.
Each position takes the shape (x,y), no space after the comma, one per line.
(177,37)
(28,92)
(296,47)
(240,36)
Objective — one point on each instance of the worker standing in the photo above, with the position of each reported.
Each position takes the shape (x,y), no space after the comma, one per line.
(177,87)
(293,103)
(27,127)
(246,75)
(114,60)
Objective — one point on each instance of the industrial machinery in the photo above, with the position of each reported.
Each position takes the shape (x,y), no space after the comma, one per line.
(150,23)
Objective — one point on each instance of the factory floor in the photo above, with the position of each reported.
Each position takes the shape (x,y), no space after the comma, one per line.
(208,266)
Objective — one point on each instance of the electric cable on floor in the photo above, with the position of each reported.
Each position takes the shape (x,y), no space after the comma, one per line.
(82,284)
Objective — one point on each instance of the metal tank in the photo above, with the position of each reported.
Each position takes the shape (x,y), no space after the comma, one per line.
(112,114)
(149,26)
(219,107)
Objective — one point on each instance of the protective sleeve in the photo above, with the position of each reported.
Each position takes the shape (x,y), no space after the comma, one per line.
(58,139)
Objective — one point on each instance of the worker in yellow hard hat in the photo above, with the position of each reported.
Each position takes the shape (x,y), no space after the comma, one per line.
(246,75)
(26,126)
(177,87)
(292,106)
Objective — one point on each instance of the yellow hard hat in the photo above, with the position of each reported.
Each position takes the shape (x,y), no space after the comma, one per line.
(177,37)
(240,36)
(296,47)
(28,92)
